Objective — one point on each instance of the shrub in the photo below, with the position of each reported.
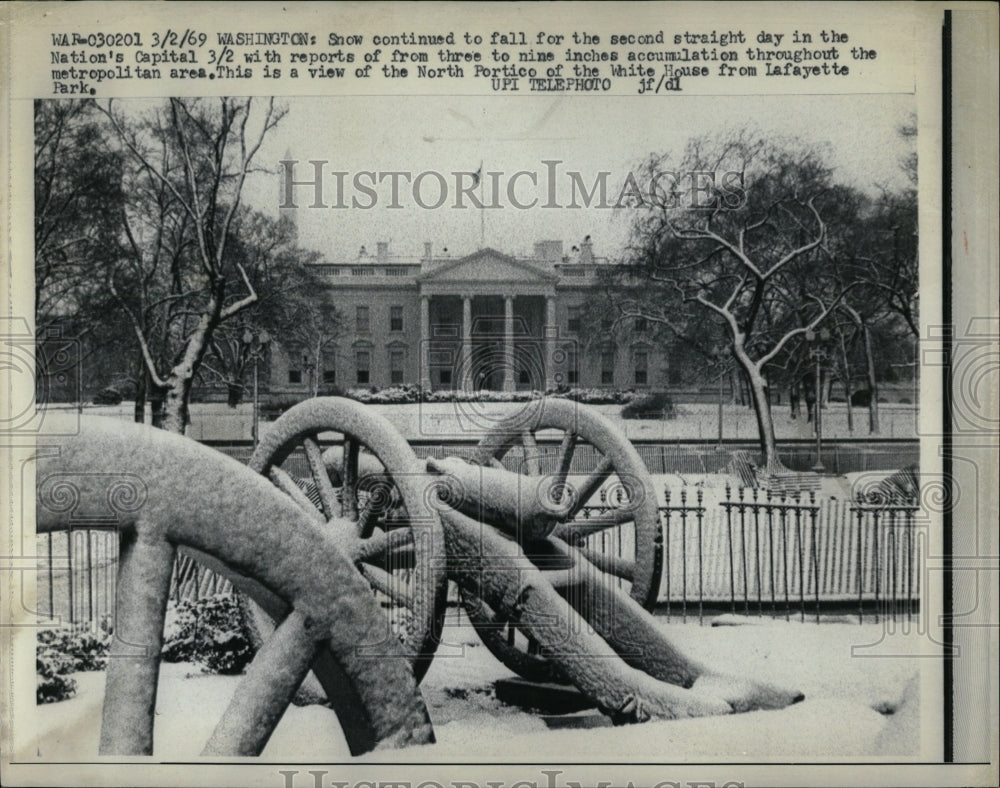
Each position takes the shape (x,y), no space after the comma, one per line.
(209,631)
(108,396)
(594,396)
(861,398)
(80,650)
(60,652)
(52,683)
(656,405)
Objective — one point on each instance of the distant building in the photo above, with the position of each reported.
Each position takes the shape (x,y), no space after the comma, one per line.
(486,320)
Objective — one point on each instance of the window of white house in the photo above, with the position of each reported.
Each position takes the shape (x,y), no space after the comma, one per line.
(329,374)
(573,323)
(295,376)
(395,318)
(361,318)
(641,325)
(572,372)
(641,368)
(362,363)
(396,366)
(607,368)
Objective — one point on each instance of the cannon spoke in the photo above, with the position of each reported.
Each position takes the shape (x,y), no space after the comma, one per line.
(389,584)
(284,482)
(590,486)
(266,690)
(366,522)
(530,450)
(144,573)
(563,465)
(611,564)
(349,490)
(580,529)
(327,495)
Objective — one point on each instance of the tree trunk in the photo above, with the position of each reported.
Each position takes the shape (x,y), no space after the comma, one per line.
(762,410)
(848,393)
(175,408)
(873,425)
(179,383)
(141,377)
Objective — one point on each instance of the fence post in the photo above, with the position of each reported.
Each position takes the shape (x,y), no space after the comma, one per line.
(768,512)
(814,514)
(876,562)
(666,542)
(52,599)
(860,577)
(69,575)
(701,574)
(743,550)
(729,531)
(798,544)
(783,521)
(684,562)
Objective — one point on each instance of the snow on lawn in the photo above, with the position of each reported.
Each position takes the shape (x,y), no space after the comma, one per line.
(467,420)
(853,707)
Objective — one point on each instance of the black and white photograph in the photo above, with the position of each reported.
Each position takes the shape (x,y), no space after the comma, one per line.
(498,394)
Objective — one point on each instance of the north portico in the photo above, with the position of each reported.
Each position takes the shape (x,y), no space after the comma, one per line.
(488,321)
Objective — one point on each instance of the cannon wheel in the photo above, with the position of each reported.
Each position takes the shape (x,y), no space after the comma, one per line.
(167,494)
(377,503)
(628,515)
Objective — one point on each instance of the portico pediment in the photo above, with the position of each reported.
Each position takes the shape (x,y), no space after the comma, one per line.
(487,266)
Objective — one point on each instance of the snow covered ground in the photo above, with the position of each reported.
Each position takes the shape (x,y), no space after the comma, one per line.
(694,421)
(854,707)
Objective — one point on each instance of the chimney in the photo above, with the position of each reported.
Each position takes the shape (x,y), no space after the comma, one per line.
(586,251)
(427,250)
(549,251)
(382,251)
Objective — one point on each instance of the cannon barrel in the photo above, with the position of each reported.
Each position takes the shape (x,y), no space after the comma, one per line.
(525,507)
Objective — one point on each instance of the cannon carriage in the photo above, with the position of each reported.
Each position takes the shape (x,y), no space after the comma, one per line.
(508,527)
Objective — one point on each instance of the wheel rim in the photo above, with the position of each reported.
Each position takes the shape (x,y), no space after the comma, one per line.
(373,495)
(628,519)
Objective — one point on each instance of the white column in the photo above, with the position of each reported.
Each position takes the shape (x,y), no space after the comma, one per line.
(549,347)
(425,342)
(465,366)
(508,343)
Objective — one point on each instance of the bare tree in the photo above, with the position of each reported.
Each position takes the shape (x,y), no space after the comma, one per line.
(189,161)
(733,234)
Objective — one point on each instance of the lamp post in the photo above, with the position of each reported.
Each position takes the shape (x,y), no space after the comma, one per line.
(818,352)
(719,354)
(256,345)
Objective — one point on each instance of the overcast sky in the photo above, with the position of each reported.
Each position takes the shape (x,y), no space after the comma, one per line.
(587,134)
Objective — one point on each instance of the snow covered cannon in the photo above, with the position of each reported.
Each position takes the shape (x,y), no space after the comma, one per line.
(550,530)
(166,494)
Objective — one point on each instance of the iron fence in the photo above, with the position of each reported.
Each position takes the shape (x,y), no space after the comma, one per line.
(743,551)
(760,553)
